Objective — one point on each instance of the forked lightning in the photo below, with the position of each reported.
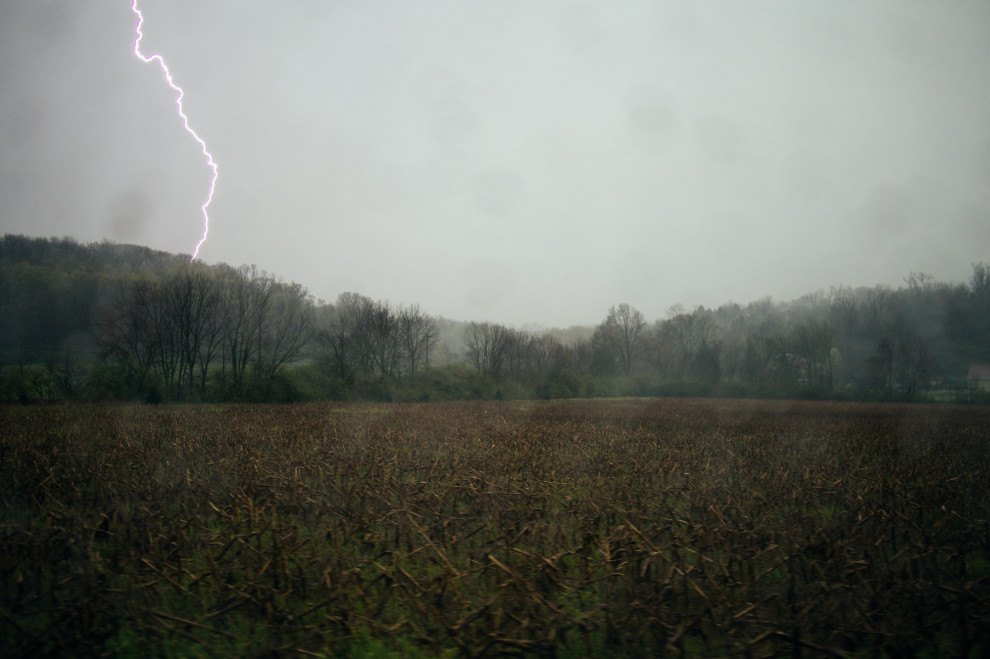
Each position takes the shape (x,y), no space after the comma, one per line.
(185,121)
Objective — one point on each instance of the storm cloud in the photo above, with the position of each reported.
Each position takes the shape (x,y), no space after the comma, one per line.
(513,161)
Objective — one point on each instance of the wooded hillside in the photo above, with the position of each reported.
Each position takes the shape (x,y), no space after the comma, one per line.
(108,321)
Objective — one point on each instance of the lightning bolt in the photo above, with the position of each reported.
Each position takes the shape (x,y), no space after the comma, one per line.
(148,59)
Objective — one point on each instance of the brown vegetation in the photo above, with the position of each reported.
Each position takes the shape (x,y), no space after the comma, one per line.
(571,528)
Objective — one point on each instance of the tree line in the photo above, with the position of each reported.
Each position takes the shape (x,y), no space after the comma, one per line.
(194,328)
(106,321)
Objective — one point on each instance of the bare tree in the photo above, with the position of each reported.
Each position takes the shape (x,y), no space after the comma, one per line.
(517,354)
(338,336)
(620,336)
(166,337)
(193,303)
(686,336)
(287,330)
(417,335)
(211,328)
(543,352)
(128,331)
(487,347)
(378,333)
(246,294)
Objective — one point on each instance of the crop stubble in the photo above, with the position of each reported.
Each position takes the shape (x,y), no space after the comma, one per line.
(632,527)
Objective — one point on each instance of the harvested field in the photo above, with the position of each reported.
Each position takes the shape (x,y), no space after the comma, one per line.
(572,528)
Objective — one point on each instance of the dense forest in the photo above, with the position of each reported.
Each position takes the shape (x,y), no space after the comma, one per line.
(103,321)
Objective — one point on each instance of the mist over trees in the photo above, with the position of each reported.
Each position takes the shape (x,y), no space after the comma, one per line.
(105,321)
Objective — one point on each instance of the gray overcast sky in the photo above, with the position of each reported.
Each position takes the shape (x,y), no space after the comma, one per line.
(513,160)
